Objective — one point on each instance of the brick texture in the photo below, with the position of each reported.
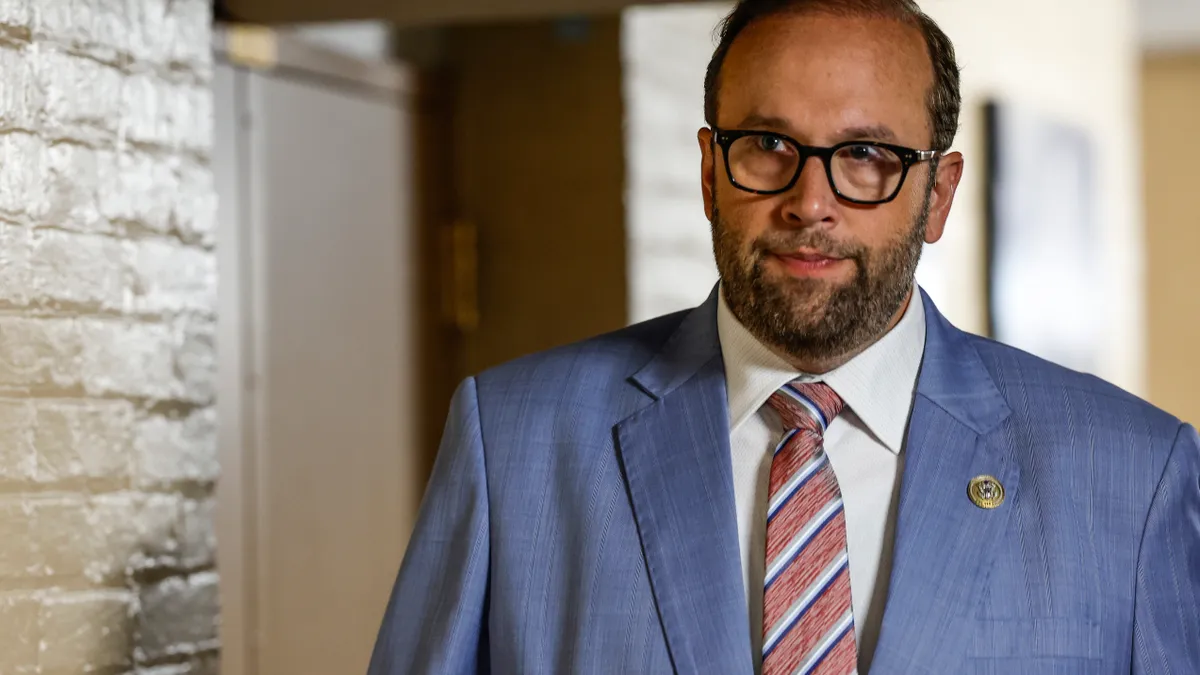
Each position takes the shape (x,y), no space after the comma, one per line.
(178,608)
(107,354)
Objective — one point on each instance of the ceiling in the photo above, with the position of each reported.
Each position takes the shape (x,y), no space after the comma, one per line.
(1163,24)
(413,12)
(1169,24)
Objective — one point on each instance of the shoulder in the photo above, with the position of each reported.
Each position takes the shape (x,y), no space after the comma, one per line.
(587,368)
(1045,394)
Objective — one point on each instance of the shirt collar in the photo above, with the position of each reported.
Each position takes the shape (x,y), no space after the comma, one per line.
(878,385)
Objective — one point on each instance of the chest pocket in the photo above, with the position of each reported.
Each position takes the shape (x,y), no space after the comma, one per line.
(1035,647)
(1035,638)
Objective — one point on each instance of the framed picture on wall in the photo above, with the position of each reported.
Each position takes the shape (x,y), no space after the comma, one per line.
(1045,281)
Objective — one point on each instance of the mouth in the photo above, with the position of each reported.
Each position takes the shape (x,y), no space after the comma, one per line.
(808,263)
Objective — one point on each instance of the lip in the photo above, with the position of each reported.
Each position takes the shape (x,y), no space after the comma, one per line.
(809,263)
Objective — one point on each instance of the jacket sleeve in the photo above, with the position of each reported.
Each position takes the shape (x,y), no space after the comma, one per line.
(1166,628)
(435,622)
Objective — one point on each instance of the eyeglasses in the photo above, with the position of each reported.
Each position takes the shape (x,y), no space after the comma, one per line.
(860,172)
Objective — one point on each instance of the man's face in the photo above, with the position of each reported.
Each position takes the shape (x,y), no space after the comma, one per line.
(813,276)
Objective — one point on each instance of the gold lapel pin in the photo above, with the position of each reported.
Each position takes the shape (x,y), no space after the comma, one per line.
(985,492)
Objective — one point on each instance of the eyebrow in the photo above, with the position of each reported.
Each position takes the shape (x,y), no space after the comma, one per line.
(875,132)
(758,120)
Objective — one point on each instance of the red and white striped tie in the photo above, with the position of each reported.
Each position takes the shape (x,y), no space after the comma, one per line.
(808,618)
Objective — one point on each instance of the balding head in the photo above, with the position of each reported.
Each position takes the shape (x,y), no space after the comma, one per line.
(944,99)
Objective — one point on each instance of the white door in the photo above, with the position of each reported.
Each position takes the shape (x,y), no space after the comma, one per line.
(318,313)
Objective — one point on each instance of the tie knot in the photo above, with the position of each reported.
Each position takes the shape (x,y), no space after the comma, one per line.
(811,406)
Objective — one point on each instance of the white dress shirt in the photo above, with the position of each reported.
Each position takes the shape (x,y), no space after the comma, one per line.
(864,444)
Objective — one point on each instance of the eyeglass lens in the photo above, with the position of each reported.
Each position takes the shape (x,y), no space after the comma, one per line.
(768,163)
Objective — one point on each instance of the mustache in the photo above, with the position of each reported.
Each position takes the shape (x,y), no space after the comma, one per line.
(822,243)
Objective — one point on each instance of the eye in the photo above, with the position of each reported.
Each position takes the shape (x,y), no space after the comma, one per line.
(770,143)
(863,153)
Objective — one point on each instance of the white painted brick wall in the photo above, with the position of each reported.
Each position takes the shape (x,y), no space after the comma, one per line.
(107,354)
(665,51)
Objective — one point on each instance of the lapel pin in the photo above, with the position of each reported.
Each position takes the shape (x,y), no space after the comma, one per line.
(985,492)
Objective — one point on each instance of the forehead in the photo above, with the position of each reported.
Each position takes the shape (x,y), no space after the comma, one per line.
(822,74)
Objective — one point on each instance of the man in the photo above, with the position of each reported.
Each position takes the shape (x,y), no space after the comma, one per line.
(812,472)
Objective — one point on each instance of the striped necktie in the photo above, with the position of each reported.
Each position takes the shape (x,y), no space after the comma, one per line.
(808,619)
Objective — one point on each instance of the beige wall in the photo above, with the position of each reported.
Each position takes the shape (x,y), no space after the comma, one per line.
(107,282)
(1171,99)
(1074,59)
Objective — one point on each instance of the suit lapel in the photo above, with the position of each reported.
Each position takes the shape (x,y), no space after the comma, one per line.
(942,538)
(676,459)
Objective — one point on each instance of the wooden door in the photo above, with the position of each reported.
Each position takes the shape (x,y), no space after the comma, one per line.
(540,170)
(521,148)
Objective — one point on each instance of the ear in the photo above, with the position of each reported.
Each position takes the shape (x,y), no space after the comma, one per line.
(707,175)
(949,173)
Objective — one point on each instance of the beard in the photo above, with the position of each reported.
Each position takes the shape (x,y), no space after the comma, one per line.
(817,320)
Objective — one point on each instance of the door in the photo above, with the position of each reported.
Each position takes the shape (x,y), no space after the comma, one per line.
(322,473)
(538,169)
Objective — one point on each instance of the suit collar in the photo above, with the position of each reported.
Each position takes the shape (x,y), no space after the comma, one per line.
(693,344)
(954,377)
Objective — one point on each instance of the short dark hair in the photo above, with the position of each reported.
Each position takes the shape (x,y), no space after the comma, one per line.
(944,99)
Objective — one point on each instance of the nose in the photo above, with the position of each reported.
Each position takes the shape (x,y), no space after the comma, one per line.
(811,200)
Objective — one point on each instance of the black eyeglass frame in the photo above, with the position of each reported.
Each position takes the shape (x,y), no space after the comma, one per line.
(908,158)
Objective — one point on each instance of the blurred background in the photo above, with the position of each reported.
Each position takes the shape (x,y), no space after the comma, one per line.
(248,251)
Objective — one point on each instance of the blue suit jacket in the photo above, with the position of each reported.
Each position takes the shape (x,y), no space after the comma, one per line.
(580,519)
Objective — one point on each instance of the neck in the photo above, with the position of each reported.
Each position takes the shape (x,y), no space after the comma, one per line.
(819,364)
